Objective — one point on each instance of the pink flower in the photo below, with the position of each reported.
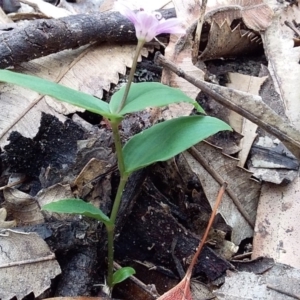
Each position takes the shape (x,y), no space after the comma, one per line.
(149,24)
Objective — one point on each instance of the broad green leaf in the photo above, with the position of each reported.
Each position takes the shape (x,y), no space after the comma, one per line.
(122,274)
(149,94)
(167,139)
(59,92)
(77,207)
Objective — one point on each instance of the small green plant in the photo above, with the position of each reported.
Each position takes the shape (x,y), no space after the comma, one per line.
(158,143)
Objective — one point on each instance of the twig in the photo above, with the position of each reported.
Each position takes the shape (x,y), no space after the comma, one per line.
(182,290)
(46,36)
(27,261)
(249,106)
(198,32)
(193,151)
(282,291)
(210,222)
(290,25)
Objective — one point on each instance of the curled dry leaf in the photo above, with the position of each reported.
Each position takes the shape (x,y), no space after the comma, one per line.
(23,207)
(28,268)
(3,223)
(226,42)
(255,14)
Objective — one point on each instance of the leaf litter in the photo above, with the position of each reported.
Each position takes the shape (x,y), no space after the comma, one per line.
(257,16)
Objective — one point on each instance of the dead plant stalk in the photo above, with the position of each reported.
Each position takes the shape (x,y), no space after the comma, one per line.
(182,290)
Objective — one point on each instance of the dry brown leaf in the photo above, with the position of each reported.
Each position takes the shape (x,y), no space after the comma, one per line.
(226,42)
(252,85)
(3,223)
(29,267)
(86,69)
(247,285)
(277,224)
(180,292)
(92,169)
(255,13)
(180,52)
(276,231)
(94,70)
(23,207)
(283,60)
(54,193)
(48,10)
(239,181)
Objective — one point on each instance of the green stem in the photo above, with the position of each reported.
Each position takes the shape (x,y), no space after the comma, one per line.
(111,228)
(110,255)
(131,74)
(118,145)
(124,177)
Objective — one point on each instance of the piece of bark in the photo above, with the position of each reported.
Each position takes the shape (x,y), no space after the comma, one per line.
(43,37)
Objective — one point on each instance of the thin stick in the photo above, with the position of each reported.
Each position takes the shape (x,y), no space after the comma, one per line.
(196,44)
(249,106)
(282,291)
(28,261)
(210,222)
(220,180)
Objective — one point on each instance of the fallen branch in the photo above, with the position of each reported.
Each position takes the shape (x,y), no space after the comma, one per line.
(46,36)
(247,105)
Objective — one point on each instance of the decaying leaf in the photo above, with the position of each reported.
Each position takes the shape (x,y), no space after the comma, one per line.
(226,42)
(180,52)
(54,193)
(48,10)
(283,59)
(94,70)
(239,181)
(276,235)
(86,69)
(92,169)
(23,207)
(270,161)
(252,85)
(279,277)
(256,14)
(3,223)
(26,265)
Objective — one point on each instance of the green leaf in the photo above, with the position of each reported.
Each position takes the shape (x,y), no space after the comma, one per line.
(149,94)
(122,274)
(77,207)
(59,92)
(167,139)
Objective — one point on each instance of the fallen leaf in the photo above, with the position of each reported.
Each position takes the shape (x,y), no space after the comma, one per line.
(256,14)
(282,277)
(252,85)
(3,223)
(180,52)
(226,42)
(23,207)
(239,181)
(26,265)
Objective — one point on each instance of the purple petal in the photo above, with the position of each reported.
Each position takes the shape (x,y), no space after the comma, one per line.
(172,25)
(146,26)
(125,10)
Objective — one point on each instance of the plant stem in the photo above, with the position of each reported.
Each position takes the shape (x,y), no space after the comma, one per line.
(118,145)
(110,255)
(124,176)
(111,228)
(131,74)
